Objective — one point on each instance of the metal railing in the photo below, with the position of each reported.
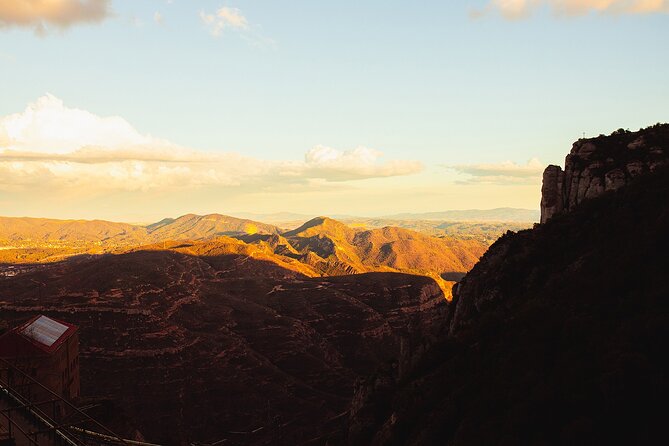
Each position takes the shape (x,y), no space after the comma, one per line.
(66,433)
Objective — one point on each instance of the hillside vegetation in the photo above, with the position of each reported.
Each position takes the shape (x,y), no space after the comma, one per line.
(319,247)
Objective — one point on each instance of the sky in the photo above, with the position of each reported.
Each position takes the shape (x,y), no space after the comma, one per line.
(136,110)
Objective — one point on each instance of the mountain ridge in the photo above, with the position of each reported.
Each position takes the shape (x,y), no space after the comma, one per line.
(556,336)
(496,214)
(321,246)
(222,343)
(602,164)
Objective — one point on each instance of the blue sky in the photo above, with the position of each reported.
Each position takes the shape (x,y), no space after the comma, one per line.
(443,84)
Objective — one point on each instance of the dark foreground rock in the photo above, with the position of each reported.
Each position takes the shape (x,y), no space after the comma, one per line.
(557,336)
(178,349)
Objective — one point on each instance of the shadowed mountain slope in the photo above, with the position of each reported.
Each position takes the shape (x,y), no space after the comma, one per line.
(557,336)
(322,245)
(333,248)
(389,247)
(197,346)
(224,247)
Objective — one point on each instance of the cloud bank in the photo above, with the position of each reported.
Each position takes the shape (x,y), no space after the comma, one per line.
(361,162)
(506,173)
(519,9)
(41,15)
(49,147)
(47,126)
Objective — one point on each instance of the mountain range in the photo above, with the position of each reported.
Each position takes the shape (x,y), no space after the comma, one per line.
(498,215)
(470,215)
(319,247)
(199,342)
(216,330)
(186,227)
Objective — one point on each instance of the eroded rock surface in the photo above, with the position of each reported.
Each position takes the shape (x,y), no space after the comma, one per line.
(602,164)
(559,334)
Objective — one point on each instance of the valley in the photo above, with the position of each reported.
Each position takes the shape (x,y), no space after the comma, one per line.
(208,345)
(319,247)
(209,329)
(226,328)
(261,223)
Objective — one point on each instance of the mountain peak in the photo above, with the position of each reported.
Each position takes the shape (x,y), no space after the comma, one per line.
(321,225)
(566,319)
(200,227)
(602,164)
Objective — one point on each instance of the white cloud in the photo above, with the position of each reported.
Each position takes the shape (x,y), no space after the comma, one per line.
(224,18)
(158,18)
(47,126)
(40,15)
(50,146)
(504,173)
(518,9)
(361,162)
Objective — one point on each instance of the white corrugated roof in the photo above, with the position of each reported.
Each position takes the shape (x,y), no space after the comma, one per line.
(44,330)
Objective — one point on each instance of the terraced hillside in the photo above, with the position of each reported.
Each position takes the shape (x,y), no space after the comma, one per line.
(195,347)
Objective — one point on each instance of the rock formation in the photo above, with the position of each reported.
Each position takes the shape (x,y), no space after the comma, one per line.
(559,334)
(602,164)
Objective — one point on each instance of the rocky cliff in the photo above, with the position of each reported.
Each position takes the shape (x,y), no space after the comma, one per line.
(558,335)
(602,164)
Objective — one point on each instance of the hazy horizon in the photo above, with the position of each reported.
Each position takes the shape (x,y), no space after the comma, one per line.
(285,216)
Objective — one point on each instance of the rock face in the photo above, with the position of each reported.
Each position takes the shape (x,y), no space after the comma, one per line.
(551,192)
(602,164)
(559,334)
